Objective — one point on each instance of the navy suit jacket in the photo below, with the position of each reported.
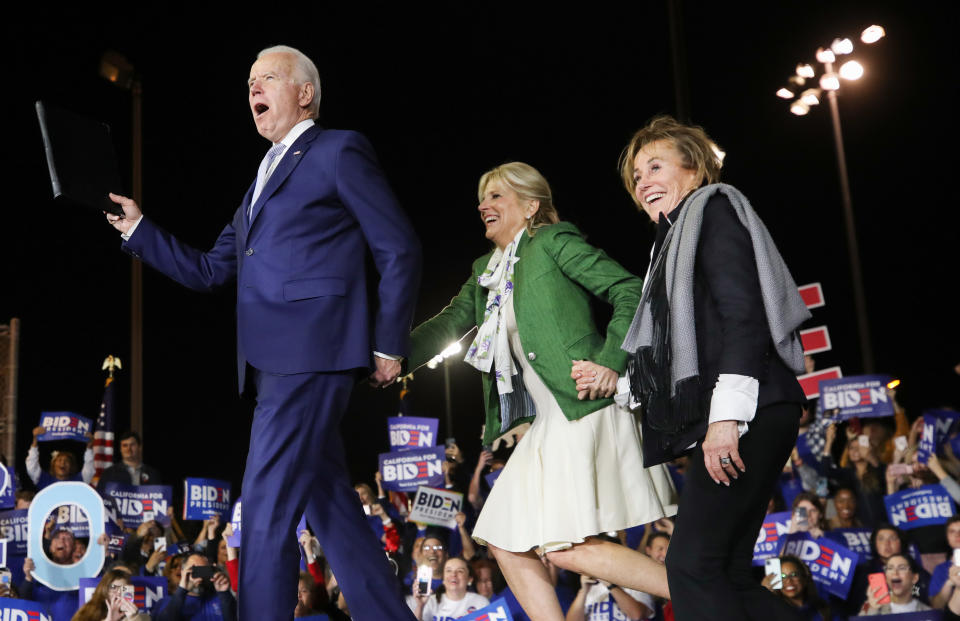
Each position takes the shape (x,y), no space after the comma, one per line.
(299,261)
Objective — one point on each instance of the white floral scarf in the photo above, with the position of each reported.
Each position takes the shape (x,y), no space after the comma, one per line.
(490,346)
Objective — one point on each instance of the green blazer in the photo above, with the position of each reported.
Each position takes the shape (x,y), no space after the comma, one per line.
(553,280)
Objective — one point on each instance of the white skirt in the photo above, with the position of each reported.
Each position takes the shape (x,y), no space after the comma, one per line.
(569,480)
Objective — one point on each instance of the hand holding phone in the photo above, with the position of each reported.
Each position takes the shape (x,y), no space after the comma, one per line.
(424,577)
(771,567)
(877,588)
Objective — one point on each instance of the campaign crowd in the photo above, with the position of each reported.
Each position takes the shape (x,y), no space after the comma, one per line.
(837,492)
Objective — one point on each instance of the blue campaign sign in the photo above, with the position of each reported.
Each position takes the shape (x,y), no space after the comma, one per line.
(492,477)
(234,540)
(937,427)
(179,547)
(854,539)
(14,528)
(8,487)
(924,506)
(769,541)
(830,563)
(924,615)
(115,540)
(48,573)
(410,432)
(203,498)
(405,471)
(64,426)
(22,610)
(71,518)
(496,611)
(859,395)
(136,504)
(147,590)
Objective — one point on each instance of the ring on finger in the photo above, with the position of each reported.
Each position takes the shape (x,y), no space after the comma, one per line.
(725,461)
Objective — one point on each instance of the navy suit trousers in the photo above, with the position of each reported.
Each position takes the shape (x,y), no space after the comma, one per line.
(296,465)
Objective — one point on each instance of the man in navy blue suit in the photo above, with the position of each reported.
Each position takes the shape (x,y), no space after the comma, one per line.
(305,328)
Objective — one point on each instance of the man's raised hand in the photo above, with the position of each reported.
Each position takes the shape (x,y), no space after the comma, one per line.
(131,213)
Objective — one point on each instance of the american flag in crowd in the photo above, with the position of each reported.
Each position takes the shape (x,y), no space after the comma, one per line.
(103,433)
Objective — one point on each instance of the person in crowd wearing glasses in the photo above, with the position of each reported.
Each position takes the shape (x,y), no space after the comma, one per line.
(798,590)
(452,600)
(198,598)
(110,601)
(902,574)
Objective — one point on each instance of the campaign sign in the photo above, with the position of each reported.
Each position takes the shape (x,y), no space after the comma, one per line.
(937,427)
(115,543)
(924,506)
(50,574)
(3,552)
(858,395)
(497,610)
(405,471)
(70,517)
(13,528)
(492,477)
(436,506)
(179,547)
(410,432)
(64,426)
(147,590)
(234,540)
(203,498)
(854,539)
(136,504)
(22,610)
(8,486)
(768,543)
(830,563)
(924,615)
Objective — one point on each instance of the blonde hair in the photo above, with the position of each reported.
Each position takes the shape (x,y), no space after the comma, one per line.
(698,152)
(529,184)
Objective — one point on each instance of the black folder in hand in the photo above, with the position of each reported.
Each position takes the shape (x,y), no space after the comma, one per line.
(81,159)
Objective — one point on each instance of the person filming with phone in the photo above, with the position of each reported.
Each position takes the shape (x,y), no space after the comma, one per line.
(901,576)
(203,594)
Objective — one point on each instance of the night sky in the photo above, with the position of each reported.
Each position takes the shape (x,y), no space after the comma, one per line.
(445,95)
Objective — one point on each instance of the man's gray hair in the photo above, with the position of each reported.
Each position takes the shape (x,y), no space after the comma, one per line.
(304,71)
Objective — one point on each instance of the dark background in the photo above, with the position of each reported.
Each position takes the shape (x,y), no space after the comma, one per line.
(444,95)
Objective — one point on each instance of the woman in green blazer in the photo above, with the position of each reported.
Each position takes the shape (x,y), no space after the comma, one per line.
(578,471)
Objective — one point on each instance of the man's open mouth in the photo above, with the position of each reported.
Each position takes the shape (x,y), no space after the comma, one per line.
(260,108)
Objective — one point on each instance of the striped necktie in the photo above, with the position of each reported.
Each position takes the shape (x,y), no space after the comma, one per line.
(264,173)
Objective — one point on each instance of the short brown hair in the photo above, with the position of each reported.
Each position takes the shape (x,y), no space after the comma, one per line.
(697,150)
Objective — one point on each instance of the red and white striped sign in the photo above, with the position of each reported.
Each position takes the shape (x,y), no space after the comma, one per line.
(812,295)
(810,382)
(815,340)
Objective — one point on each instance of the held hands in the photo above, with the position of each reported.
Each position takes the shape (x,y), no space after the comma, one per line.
(723,441)
(385,373)
(131,213)
(594,381)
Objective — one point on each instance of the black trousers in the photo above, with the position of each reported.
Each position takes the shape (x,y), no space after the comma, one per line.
(709,558)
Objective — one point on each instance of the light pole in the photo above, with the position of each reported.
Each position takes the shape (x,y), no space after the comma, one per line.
(829,83)
(115,68)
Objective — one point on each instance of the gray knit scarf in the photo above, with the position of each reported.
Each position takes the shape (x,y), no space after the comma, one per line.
(663,332)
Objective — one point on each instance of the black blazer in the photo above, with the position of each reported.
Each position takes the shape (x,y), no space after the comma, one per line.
(732,331)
